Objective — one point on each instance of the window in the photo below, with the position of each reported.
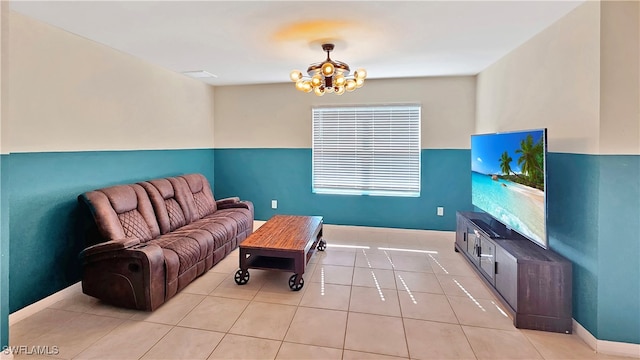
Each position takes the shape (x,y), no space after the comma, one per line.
(372,150)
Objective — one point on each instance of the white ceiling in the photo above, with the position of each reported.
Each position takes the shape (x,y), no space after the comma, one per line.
(252,42)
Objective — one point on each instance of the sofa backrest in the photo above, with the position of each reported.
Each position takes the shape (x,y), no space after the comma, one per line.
(200,191)
(171,200)
(123,212)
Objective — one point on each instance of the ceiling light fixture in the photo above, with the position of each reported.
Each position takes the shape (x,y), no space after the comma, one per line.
(329,76)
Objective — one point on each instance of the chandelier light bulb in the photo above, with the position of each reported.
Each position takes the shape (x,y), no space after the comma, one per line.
(360,74)
(295,75)
(351,85)
(306,86)
(328,76)
(316,80)
(327,69)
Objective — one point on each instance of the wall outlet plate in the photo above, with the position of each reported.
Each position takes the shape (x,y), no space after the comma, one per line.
(440,211)
(274,204)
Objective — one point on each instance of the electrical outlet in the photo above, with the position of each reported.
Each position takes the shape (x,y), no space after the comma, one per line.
(440,211)
(274,204)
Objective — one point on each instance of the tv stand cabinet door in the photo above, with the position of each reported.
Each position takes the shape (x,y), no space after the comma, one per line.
(461,232)
(473,245)
(487,258)
(507,277)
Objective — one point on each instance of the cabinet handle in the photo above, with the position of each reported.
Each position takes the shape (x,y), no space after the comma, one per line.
(479,251)
(495,268)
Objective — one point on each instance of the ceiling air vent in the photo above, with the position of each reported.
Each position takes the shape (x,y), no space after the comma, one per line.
(199,74)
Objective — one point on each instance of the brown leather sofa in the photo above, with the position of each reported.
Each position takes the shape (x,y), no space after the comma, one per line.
(151,239)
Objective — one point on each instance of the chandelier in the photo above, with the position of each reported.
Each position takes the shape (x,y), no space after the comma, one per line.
(329,76)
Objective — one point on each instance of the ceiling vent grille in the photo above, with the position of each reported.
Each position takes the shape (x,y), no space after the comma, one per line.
(199,74)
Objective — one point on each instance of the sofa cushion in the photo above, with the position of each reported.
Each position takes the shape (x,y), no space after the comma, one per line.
(203,201)
(170,213)
(242,217)
(221,230)
(124,211)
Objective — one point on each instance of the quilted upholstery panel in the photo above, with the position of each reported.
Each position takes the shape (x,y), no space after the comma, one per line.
(203,200)
(221,230)
(176,216)
(187,249)
(184,197)
(204,205)
(241,216)
(134,225)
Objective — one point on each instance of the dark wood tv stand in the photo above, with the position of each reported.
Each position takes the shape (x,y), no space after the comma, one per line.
(533,283)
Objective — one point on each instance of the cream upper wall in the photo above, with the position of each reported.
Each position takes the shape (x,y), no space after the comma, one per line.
(68,93)
(620,77)
(4,65)
(278,116)
(550,81)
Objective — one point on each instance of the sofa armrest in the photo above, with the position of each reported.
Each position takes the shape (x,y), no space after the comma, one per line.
(238,205)
(109,246)
(132,277)
(226,201)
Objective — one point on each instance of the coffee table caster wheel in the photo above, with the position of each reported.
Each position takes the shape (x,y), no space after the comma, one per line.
(322,245)
(292,283)
(241,277)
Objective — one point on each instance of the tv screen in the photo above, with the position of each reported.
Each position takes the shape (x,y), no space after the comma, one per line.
(508,179)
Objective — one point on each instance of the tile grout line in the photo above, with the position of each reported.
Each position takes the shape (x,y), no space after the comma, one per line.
(103,336)
(232,274)
(226,332)
(457,317)
(346,326)
(404,327)
(173,326)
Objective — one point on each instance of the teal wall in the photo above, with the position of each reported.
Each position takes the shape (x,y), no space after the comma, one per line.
(572,224)
(42,190)
(619,249)
(285,174)
(593,216)
(4,255)
(594,221)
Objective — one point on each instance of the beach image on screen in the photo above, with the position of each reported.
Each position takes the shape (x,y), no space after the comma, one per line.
(507,180)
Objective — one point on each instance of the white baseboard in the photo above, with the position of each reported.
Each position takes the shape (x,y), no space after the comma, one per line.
(604,346)
(619,348)
(257,224)
(44,303)
(585,335)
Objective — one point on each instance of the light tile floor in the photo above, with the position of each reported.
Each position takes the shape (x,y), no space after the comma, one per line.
(357,303)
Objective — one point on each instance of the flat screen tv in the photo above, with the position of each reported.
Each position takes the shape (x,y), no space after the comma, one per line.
(508,180)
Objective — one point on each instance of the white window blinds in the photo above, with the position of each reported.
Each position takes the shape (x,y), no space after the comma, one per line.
(372,150)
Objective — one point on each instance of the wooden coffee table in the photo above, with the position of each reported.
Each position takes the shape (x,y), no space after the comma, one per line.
(284,243)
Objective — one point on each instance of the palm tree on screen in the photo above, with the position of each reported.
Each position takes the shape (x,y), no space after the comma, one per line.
(505,163)
(531,161)
(529,155)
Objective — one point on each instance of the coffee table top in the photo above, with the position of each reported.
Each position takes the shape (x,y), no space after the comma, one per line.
(284,232)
